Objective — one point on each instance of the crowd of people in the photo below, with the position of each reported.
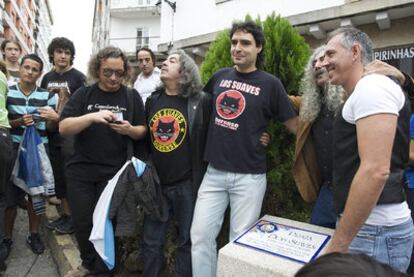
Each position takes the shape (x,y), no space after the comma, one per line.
(208,145)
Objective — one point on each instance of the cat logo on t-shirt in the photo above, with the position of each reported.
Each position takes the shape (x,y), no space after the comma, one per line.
(168,129)
(230,104)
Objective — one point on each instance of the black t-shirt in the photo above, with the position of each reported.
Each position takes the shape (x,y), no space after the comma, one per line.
(169,130)
(244,103)
(100,151)
(63,84)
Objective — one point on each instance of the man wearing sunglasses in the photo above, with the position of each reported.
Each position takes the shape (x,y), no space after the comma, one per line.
(103,124)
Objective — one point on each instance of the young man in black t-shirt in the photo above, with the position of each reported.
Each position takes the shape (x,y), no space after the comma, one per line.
(177,118)
(63,80)
(245,99)
(103,125)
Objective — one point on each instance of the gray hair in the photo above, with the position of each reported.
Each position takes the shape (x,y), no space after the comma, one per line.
(189,82)
(351,35)
(313,95)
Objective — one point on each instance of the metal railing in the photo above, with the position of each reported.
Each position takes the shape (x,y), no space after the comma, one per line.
(131,44)
(120,4)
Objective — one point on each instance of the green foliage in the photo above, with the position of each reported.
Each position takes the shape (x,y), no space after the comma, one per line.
(218,56)
(286,54)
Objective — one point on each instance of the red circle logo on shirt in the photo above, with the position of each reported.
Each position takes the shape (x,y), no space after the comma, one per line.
(168,129)
(230,104)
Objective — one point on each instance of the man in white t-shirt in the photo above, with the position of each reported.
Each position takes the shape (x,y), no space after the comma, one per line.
(371,144)
(149,78)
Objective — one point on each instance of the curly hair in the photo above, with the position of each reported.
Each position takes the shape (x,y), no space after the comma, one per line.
(62,43)
(95,62)
(189,81)
(257,32)
(313,95)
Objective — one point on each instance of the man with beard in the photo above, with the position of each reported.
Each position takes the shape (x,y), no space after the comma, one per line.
(63,80)
(371,146)
(317,106)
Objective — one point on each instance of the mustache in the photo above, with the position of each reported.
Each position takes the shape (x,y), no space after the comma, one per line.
(320,71)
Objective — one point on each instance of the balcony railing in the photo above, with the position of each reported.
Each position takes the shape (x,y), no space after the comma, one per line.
(121,4)
(131,45)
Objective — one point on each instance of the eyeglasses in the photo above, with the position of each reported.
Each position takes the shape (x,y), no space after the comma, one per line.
(107,72)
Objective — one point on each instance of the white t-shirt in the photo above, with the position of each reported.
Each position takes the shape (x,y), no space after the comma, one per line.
(146,85)
(375,94)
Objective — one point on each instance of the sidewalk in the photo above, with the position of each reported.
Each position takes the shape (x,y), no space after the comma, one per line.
(22,261)
(62,247)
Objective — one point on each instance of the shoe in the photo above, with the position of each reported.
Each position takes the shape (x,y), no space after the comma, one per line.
(78,272)
(52,225)
(35,243)
(3,266)
(54,201)
(8,243)
(65,226)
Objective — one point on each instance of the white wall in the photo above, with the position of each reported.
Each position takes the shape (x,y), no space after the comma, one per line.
(123,32)
(197,17)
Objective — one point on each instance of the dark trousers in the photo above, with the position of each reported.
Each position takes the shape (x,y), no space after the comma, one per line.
(180,199)
(323,213)
(6,165)
(83,196)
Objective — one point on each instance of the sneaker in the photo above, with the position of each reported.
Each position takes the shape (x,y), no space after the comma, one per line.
(65,227)
(81,271)
(52,225)
(8,243)
(35,243)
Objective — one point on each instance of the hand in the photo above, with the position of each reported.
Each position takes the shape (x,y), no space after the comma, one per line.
(27,120)
(333,248)
(379,67)
(49,114)
(265,139)
(103,117)
(122,128)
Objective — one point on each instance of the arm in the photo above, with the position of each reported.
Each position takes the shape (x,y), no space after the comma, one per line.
(292,124)
(75,125)
(369,180)
(411,158)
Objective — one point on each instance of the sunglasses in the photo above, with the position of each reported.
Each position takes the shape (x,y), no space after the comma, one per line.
(107,72)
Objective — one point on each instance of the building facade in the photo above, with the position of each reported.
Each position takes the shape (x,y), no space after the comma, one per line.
(29,22)
(127,24)
(389,23)
(43,33)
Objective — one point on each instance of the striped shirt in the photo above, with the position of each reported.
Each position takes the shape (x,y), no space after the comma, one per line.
(19,104)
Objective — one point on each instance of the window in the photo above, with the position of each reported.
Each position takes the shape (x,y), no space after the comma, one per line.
(142,37)
(144,2)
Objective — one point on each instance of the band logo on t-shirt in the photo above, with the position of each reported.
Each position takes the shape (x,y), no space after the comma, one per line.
(168,129)
(231,103)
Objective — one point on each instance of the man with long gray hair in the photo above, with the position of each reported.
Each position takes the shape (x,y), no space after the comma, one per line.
(371,146)
(177,114)
(312,167)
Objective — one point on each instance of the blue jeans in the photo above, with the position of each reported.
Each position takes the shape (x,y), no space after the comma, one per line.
(323,213)
(180,200)
(390,245)
(244,193)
